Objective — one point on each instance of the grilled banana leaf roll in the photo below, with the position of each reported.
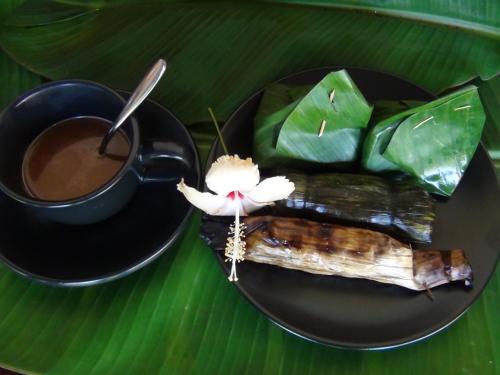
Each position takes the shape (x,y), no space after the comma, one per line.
(397,207)
(329,249)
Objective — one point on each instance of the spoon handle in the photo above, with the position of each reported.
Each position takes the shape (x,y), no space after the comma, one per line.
(141,92)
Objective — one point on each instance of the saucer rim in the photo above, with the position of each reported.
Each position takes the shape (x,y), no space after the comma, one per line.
(144,262)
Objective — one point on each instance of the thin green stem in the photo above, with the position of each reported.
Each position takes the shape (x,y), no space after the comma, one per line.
(218,130)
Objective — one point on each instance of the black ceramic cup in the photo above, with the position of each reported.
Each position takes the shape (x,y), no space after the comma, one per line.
(22,121)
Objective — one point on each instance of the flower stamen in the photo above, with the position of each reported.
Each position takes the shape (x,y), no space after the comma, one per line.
(228,176)
(235,247)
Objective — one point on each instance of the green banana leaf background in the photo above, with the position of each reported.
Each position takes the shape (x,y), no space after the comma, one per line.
(180,314)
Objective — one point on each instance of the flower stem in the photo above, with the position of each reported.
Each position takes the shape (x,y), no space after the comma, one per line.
(218,130)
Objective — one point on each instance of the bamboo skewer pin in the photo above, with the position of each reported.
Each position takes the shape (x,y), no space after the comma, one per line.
(322,128)
(430,118)
(323,123)
(423,122)
(332,96)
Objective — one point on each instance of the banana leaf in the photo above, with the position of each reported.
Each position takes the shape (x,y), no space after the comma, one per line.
(383,109)
(381,133)
(160,319)
(489,91)
(436,144)
(277,102)
(325,126)
(221,52)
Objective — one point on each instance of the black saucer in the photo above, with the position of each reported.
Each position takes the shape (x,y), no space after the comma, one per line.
(363,314)
(84,255)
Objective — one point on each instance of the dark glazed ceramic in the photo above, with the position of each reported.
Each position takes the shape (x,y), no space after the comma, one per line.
(40,108)
(363,314)
(81,255)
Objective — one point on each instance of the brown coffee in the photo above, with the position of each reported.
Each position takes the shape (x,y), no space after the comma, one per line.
(64,163)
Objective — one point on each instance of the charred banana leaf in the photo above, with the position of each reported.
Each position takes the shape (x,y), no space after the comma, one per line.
(330,249)
(397,207)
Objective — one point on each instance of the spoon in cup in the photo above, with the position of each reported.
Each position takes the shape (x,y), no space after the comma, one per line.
(139,95)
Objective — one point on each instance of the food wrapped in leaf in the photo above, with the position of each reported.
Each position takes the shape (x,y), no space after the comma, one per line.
(329,249)
(384,127)
(434,143)
(325,126)
(383,109)
(276,104)
(387,115)
(396,207)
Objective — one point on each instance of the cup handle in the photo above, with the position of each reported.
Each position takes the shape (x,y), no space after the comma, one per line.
(162,161)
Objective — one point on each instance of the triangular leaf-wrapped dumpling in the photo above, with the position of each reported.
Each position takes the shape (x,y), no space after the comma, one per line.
(387,115)
(325,124)
(433,142)
(435,145)
(336,105)
(381,133)
(276,104)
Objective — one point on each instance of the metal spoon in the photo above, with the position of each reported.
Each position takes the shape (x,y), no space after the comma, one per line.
(141,92)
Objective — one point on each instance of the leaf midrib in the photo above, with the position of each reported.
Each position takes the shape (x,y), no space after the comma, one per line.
(451,22)
(375,11)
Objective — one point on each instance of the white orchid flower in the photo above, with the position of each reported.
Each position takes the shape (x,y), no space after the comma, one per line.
(238,192)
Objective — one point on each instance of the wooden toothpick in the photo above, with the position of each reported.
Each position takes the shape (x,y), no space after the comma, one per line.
(322,128)
(332,96)
(423,122)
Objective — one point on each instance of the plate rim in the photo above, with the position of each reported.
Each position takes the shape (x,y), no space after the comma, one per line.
(339,344)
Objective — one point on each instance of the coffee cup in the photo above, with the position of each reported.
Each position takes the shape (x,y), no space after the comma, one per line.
(40,110)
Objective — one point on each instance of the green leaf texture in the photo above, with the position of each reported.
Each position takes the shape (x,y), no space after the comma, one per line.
(179,315)
(383,109)
(490,97)
(336,108)
(221,52)
(436,144)
(387,115)
(277,102)
(381,133)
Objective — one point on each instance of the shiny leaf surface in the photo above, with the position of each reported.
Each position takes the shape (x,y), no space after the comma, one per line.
(435,145)
(381,132)
(221,52)
(277,102)
(180,315)
(327,125)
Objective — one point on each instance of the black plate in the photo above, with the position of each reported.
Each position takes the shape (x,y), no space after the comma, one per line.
(89,254)
(362,314)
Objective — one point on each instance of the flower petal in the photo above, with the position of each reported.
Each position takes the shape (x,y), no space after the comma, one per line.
(248,206)
(230,173)
(271,189)
(209,203)
(264,194)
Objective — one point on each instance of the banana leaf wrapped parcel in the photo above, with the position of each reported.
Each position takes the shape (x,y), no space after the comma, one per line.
(322,124)
(434,142)
(396,207)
